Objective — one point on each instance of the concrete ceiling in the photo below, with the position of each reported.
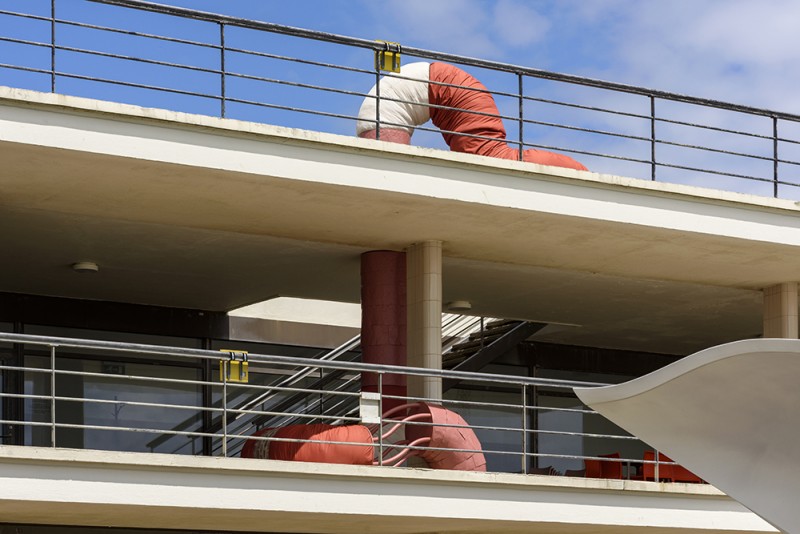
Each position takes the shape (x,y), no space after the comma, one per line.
(275,216)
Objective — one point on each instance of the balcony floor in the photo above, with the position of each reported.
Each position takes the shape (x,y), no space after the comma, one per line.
(94,488)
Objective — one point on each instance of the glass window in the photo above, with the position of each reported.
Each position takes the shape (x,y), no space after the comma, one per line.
(502,448)
(112,405)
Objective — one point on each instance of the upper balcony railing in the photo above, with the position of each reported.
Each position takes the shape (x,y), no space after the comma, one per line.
(180,59)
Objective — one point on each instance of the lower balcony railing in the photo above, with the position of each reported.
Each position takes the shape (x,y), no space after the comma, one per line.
(89,394)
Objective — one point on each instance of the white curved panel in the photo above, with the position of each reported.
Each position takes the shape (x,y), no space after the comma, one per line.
(405,100)
(730,413)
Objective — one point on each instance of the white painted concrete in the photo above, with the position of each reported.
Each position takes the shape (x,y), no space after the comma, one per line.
(58,486)
(727,413)
(167,203)
(314,311)
(424,311)
(781,311)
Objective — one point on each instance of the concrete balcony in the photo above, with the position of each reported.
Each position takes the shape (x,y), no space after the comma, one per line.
(168,203)
(94,488)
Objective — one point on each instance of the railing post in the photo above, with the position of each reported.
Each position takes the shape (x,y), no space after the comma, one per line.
(377,103)
(524,429)
(207,394)
(535,420)
(656,474)
(652,138)
(521,115)
(52,46)
(222,67)
(380,418)
(775,156)
(225,408)
(52,395)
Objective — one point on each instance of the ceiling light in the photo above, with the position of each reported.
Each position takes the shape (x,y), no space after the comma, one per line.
(459,305)
(85,267)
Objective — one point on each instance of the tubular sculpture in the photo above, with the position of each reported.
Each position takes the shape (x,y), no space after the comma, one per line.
(456,102)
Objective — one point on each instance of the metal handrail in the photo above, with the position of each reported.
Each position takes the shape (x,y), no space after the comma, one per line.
(443,56)
(231,436)
(452,324)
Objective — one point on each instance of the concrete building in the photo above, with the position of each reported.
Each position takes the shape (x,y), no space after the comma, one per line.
(139,225)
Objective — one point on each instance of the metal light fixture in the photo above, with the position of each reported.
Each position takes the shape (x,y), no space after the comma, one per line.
(459,306)
(85,267)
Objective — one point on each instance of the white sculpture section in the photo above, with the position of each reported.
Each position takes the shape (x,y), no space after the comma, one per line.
(730,413)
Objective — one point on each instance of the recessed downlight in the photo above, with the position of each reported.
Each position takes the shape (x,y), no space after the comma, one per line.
(85,267)
(459,305)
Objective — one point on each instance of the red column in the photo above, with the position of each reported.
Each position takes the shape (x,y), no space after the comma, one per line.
(383,320)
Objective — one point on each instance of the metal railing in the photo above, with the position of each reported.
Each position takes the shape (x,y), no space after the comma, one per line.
(231,67)
(68,402)
(454,327)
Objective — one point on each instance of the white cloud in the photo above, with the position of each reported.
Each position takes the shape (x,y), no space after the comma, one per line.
(496,29)
(735,50)
(516,24)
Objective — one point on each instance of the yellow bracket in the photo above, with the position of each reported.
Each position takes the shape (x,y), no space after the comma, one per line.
(234,369)
(389,58)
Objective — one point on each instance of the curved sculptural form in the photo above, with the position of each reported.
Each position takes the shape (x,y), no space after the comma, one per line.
(456,102)
(728,413)
(440,437)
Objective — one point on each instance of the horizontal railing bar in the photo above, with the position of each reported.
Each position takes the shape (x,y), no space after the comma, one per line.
(582,434)
(136,429)
(715,150)
(290,108)
(40,18)
(90,400)
(137,85)
(26,69)
(183,381)
(295,84)
(713,128)
(587,130)
(288,414)
(585,107)
(517,430)
(719,173)
(138,34)
(785,140)
(586,153)
(242,22)
(256,53)
(554,409)
(26,42)
(140,60)
(580,457)
(287,360)
(454,402)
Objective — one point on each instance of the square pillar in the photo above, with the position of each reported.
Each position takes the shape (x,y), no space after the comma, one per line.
(424,307)
(780,311)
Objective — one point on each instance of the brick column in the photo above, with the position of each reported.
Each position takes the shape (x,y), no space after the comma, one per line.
(383,320)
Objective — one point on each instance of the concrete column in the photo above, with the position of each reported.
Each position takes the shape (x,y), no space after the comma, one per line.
(424,301)
(383,320)
(780,311)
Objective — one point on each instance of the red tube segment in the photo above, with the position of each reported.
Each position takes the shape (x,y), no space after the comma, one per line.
(476,114)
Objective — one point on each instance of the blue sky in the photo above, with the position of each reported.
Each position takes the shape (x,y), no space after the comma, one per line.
(739,51)
(736,50)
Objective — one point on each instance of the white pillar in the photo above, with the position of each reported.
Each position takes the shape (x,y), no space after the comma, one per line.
(780,311)
(424,305)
